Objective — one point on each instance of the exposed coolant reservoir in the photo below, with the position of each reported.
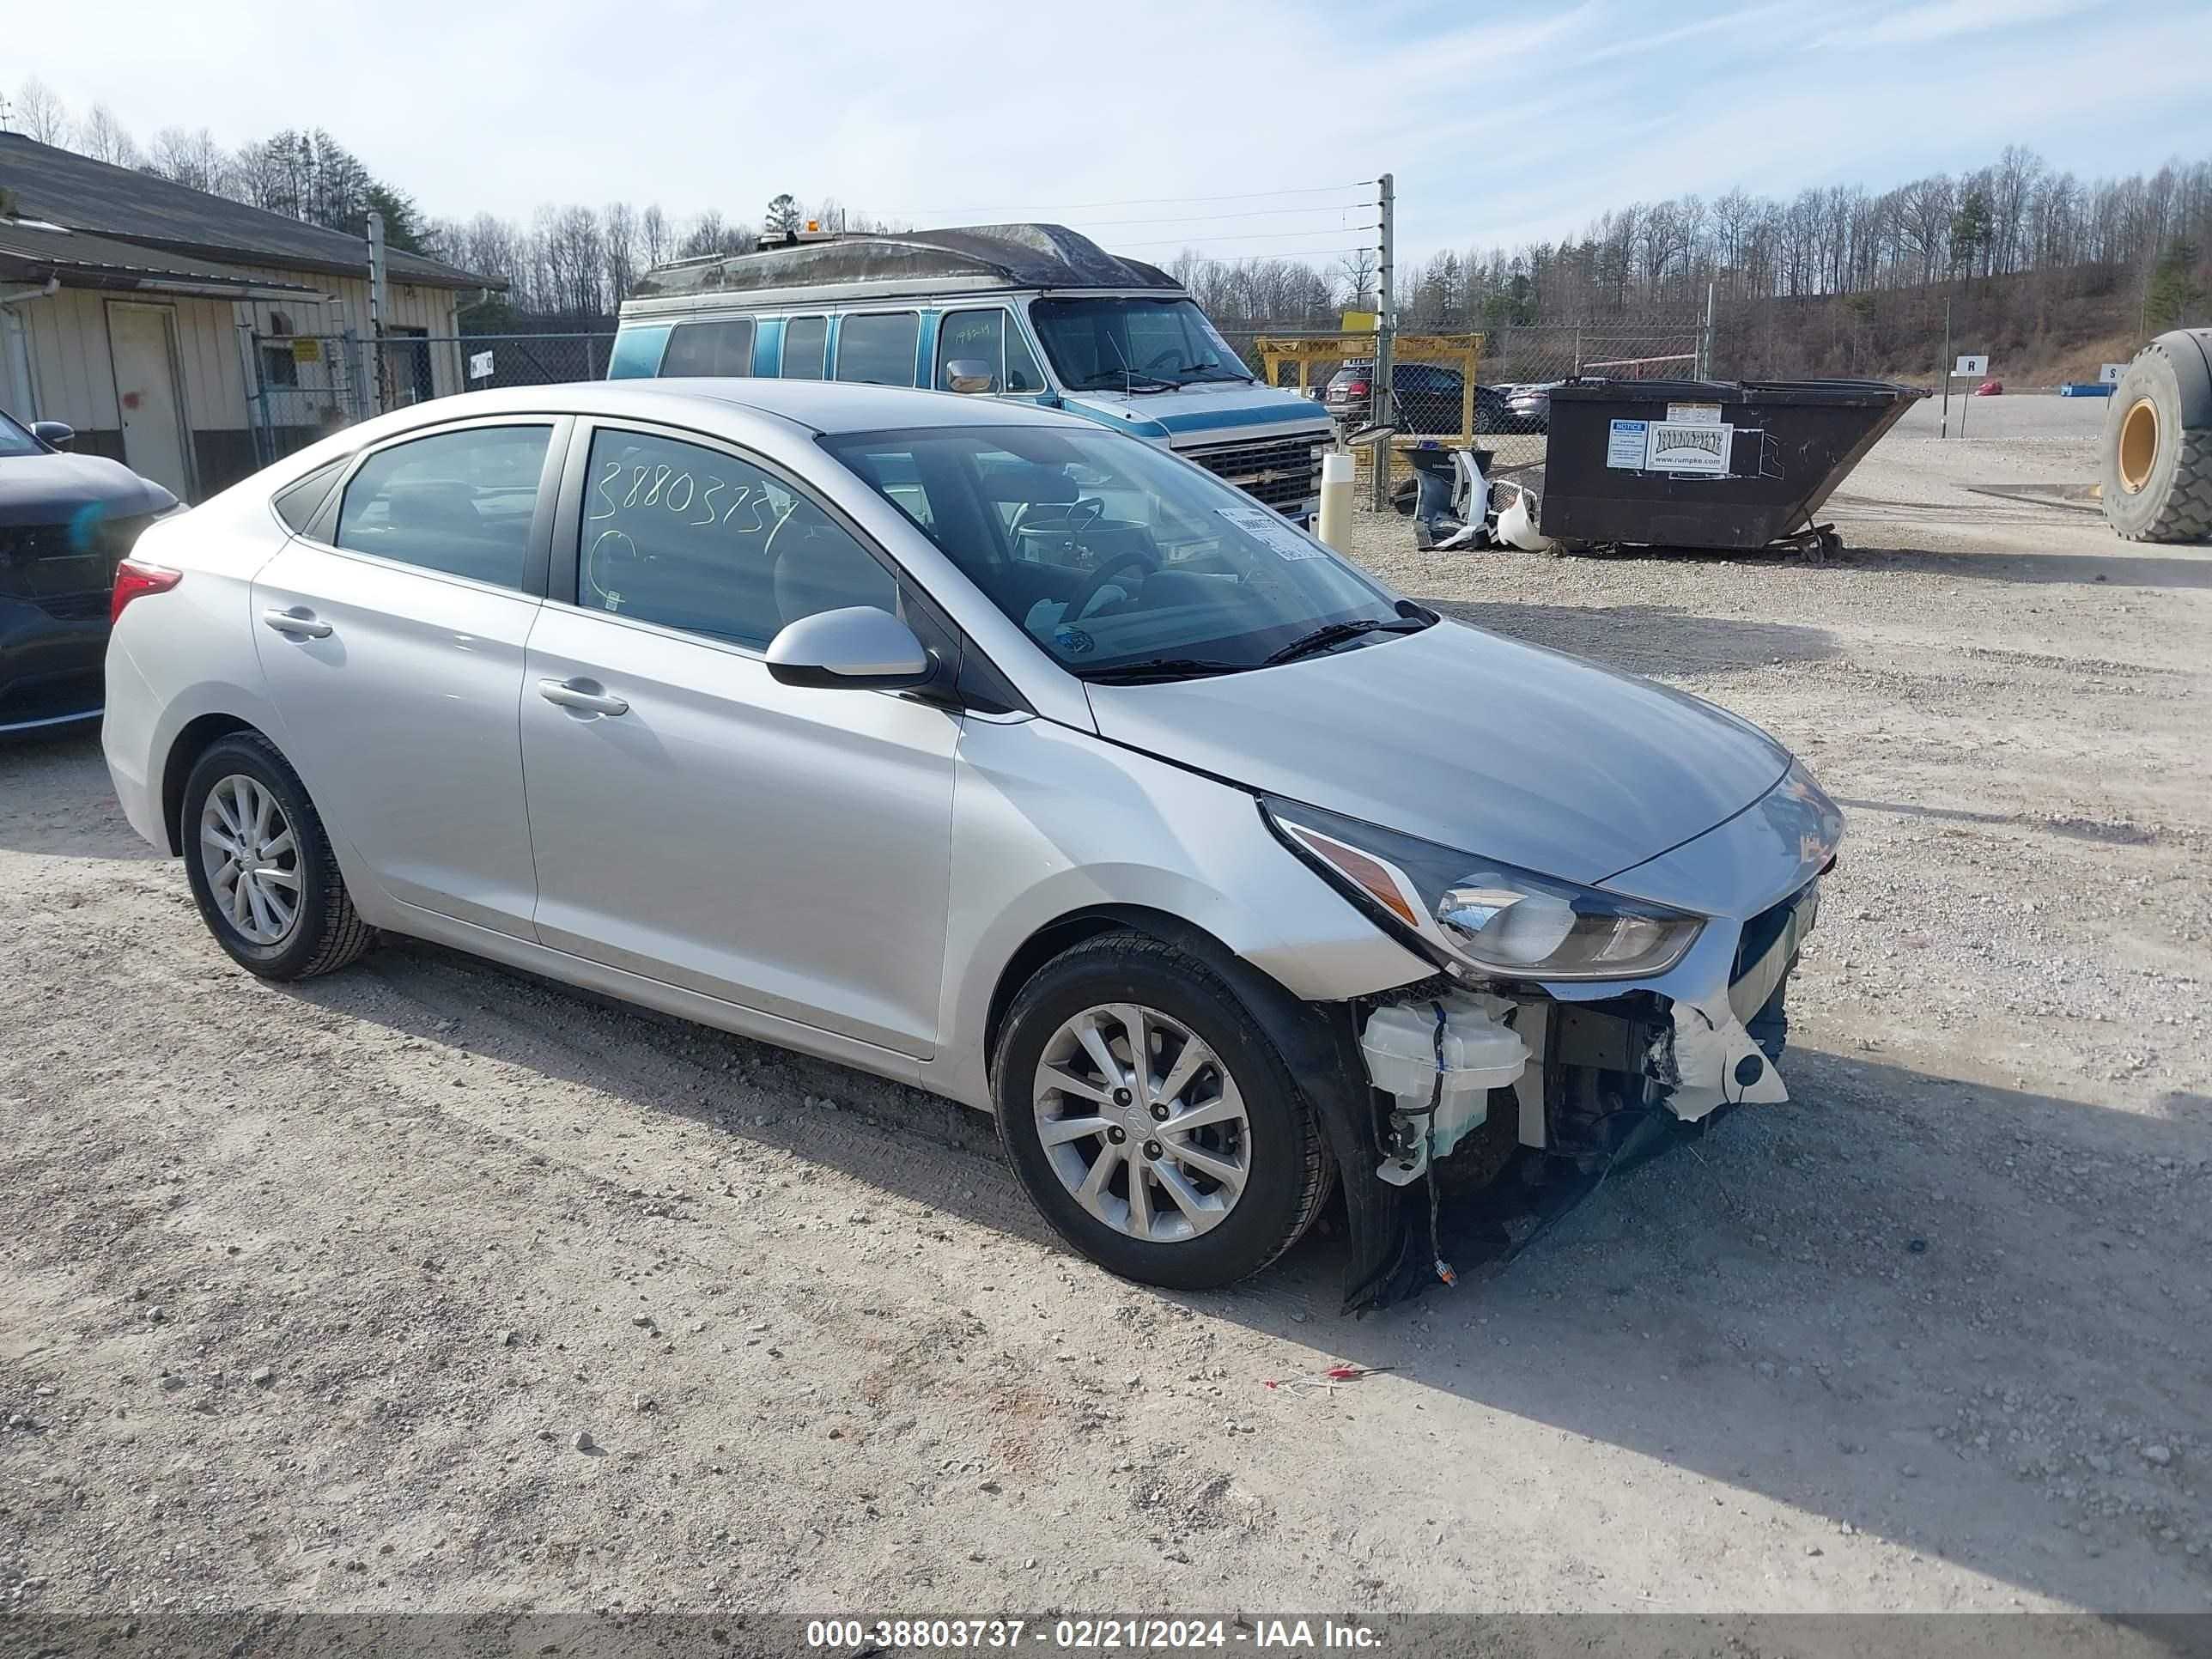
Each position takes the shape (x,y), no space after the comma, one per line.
(1404,1060)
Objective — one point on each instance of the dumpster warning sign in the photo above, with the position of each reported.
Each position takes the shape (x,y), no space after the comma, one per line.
(1675,448)
(1625,444)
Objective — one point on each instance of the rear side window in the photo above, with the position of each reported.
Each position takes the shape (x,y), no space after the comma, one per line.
(878,348)
(460,502)
(697,349)
(804,339)
(298,503)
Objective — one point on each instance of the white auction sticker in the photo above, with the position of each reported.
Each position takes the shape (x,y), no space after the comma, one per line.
(1700,449)
(1694,414)
(1270,530)
(1625,445)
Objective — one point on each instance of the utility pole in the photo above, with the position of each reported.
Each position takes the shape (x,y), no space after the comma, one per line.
(376,309)
(1386,329)
(1706,340)
(1945,431)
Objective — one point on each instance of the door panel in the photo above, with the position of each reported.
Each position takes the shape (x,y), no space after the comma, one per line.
(784,848)
(139,341)
(401,720)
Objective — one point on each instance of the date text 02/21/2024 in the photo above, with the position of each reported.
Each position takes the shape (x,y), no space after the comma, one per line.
(1093,1635)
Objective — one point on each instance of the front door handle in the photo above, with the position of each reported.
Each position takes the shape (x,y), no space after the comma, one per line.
(582,694)
(302,622)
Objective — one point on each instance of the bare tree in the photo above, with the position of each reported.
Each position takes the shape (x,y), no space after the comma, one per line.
(655,235)
(618,232)
(188,158)
(38,115)
(1355,274)
(104,137)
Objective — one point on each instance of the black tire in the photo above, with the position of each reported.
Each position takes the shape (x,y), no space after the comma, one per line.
(1289,1177)
(2158,442)
(328,932)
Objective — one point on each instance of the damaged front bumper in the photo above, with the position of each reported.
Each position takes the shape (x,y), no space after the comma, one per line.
(1603,1055)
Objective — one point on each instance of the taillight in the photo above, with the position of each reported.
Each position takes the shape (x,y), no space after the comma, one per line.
(134,580)
(1358,389)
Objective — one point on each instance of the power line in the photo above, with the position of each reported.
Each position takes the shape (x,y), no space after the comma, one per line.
(1153,201)
(1284,253)
(1248,236)
(1262,213)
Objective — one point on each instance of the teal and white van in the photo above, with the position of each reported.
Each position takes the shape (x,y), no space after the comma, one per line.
(1030,312)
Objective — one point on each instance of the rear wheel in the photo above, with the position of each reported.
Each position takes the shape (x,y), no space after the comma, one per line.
(1151,1119)
(260,867)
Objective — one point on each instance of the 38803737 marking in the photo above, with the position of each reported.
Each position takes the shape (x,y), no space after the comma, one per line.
(1090,1635)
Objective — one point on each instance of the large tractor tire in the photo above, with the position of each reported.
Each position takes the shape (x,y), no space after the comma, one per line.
(2158,442)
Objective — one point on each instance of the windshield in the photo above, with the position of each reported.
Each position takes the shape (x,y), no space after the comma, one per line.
(1116,557)
(1146,344)
(15,440)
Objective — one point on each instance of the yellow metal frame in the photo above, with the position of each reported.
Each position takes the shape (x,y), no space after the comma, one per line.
(1460,351)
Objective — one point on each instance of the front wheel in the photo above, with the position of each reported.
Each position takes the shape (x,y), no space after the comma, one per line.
(1151,1119)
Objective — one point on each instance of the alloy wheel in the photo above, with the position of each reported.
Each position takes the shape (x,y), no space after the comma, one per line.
(1142,1122)
(252,858)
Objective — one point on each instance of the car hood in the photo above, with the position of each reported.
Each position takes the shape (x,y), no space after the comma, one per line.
(1465,738)
(51,488)
(1221,412)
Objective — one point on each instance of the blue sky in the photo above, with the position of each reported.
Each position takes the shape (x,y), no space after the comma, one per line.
(1501,123)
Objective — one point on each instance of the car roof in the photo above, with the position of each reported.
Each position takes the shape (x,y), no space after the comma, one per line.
(816,406)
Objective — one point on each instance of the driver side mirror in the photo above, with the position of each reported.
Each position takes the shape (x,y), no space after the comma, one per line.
(860,647)
(60,435)
(968,374)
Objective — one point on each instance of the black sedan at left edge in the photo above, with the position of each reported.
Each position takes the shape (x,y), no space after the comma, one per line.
(64,521)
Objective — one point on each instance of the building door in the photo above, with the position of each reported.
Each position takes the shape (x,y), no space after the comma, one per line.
(142,343)
(407,364)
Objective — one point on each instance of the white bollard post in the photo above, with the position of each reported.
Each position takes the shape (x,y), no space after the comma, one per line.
(1336,469)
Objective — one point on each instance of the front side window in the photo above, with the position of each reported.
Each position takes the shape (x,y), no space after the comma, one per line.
(16,440)
(691,538)
(972,337)
(878,348)
(460,502)
(1145,345)
(804,340)
(1112,555)
(696,348)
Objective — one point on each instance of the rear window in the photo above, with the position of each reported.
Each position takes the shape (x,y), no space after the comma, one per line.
(878,348)
(697,348)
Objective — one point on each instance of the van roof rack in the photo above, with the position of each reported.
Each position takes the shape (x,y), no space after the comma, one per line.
(968,256)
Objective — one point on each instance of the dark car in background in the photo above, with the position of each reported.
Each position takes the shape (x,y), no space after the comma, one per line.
(1431,398)
(64,521)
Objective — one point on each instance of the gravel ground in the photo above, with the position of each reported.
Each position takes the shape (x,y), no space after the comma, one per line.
(429,1287)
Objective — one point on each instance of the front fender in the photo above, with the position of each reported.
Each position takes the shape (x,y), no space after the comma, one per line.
(1049,821)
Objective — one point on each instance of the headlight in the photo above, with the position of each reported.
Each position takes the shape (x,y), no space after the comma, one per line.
(1468,911)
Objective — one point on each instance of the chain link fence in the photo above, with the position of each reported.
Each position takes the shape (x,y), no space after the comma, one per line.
(307,386)
(1513,371)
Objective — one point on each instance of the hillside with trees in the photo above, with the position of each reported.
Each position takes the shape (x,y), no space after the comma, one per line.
(2049,273)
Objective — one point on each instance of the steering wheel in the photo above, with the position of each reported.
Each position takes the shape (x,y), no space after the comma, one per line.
(1172,357)
(1080,606)
(1059,518)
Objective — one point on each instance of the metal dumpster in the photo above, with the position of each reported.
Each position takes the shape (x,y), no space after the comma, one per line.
(1725,464)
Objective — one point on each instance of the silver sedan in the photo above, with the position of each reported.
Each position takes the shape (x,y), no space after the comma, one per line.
(983,748)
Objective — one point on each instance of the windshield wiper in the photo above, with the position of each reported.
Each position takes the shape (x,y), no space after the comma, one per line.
(1131,380)
(1159,668)
(1225,373)
(1336,633)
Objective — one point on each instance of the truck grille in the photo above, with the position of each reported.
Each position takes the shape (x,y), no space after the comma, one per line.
(1284,472)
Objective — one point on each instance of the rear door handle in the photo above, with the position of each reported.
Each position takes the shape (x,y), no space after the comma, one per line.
(302,622)
(582,694)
